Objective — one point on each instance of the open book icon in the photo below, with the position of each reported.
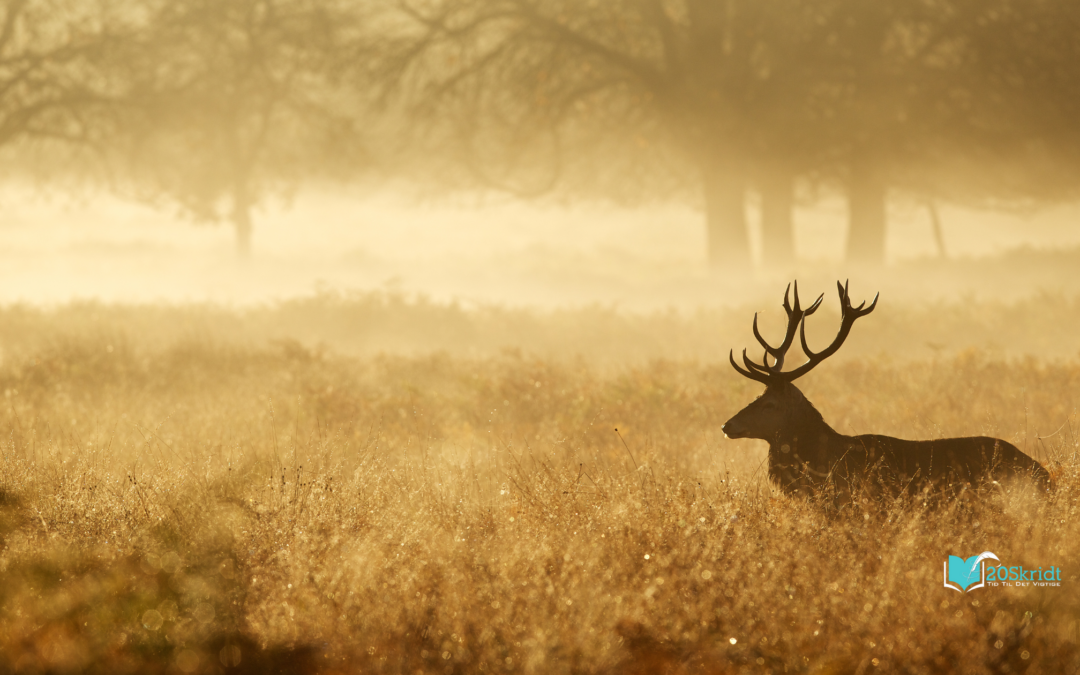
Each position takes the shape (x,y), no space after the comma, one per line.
(966,575)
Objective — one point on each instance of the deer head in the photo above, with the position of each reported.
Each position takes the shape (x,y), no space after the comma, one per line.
(782,410)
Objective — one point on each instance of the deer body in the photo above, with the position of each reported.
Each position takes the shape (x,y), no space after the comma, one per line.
(807,456)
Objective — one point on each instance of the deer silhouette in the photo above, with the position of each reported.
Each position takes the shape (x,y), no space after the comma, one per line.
(807,457)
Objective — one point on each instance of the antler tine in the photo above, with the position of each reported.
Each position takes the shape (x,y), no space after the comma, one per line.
(845,302)
(848,315)
(760,339)
(795,316)
(752,374)
(769,349)
(859,311)
(763,372)
(873,304)
(763,369)
(805,312)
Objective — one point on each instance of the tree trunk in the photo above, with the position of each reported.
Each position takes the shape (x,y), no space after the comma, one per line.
(935,223)
(866,207)
(777,224)
(725,219)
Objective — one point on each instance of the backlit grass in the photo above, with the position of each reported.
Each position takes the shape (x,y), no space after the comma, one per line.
(210,505)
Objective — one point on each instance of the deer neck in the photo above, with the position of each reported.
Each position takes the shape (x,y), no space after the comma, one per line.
(806,438)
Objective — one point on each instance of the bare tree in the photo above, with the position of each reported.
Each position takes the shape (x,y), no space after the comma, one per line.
(231,100)
(228,101)
(635,99)
(970,101)
(627,99)
(1027,88)
(893,96)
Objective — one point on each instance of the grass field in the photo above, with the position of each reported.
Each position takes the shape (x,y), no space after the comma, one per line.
(193,490)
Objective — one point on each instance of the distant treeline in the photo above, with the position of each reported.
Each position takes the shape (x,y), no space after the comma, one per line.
(1041,332)
(211,105)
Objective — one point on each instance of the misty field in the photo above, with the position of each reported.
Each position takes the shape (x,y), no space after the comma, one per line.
(221,503)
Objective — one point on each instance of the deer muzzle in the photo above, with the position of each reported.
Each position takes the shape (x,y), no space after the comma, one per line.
(732,429)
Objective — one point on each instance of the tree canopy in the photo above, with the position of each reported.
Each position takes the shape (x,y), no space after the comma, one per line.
(944,100)
(211,105)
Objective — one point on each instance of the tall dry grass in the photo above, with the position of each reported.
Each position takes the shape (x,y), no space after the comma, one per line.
(210,505)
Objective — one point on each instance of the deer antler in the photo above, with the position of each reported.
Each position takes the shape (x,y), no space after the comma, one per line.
(767,374)
(764,372)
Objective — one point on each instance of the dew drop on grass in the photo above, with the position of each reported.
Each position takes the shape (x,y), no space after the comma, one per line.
(170,562)
(230,655)
(152,619)
(187,661)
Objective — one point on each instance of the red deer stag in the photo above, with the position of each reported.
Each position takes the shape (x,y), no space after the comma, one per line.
(806,455)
